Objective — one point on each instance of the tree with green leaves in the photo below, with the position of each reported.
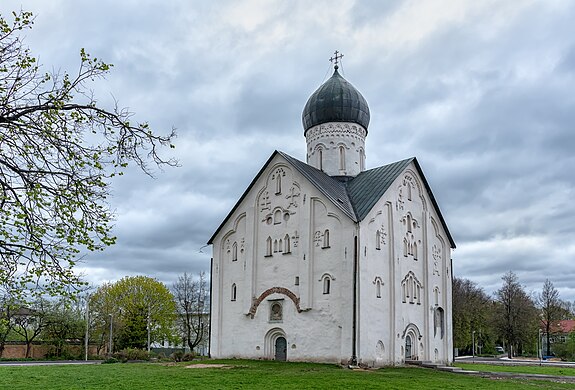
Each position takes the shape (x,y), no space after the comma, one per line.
(64,323)
(30,321)
(7,310)
(135,304)
(192,299)
(58,150)
(471,312)
(551,309)
(515,314)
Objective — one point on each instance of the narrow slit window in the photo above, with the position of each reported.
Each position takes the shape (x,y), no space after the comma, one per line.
(269,246)
(326,285)
(326,239)
(234,292)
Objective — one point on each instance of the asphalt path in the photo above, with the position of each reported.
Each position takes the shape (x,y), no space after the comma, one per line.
(515,361)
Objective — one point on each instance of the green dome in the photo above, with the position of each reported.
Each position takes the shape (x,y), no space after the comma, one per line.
(336,100)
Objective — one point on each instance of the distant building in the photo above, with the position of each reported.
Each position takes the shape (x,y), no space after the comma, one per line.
(327,261)
(559,333)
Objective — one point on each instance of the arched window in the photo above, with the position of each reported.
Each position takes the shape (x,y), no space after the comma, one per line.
(378,289)
(281,246)
(342,157)
(287,244)
(320,159)
(378,240)
(275,246)
(234,292)
(405,247)
(408,220)
(277,217)
(414,251)
(278,183)
(408,191)
(361,160)
(268,247)
(436,295)
(235,251)
(326,285)
(326,239)
(438,320)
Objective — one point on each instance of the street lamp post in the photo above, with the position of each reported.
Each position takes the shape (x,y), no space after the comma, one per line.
(148,328)
(540,342)
(110,343)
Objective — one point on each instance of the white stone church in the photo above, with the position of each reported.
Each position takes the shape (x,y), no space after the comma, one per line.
(327,261)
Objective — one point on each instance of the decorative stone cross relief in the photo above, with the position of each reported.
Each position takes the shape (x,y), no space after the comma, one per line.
(317,238)
(382,235)
(265,203)
(436,252)
(292,196)
(295,239)
(399,202)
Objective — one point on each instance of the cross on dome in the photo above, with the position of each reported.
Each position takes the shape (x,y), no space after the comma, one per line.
(337,56)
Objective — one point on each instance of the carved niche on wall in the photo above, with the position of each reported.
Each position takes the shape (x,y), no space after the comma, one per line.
(410,242)
(411,289)
(408,190)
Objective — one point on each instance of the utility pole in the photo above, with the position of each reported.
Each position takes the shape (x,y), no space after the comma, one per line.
(87,326)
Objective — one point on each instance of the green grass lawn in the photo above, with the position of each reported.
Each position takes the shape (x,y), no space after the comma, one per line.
(546,370)
(248,375)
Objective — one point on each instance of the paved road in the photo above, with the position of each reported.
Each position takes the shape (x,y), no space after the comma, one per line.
(515,361)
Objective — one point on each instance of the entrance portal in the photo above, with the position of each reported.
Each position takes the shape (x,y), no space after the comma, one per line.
(281,349)
(408,347)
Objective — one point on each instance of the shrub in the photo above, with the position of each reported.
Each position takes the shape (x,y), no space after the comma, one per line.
(131,354)
(110,361)
(177,356)
(188,357)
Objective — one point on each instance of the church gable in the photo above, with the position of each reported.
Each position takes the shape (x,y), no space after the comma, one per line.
(368,188)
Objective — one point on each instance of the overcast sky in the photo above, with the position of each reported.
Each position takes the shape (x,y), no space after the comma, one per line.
(481,92)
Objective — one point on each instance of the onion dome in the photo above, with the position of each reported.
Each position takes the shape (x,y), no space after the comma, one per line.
(336,100)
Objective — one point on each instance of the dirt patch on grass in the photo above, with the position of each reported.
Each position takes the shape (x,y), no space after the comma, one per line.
(223,366)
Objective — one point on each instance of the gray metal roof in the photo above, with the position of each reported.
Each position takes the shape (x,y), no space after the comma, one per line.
(356,196)
(369,186)
(336,100)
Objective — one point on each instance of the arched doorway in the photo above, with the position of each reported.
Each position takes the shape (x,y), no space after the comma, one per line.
(280,349)
(408,353)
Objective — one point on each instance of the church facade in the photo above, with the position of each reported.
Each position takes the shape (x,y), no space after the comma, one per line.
(327,261)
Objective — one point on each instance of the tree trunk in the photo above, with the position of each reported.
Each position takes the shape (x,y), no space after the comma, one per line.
(28,349)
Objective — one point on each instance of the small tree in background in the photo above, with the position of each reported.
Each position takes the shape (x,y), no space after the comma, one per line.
(134,303)
(471,312)
(31,320)
(192,297)
(551,310)
(515,314)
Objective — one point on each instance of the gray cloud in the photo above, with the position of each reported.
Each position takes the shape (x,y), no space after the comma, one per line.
(479,92)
